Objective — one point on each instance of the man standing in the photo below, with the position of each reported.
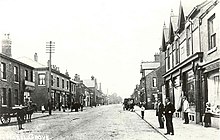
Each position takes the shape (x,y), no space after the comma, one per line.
(159,113)
(169,110)
(142,111)
(185,110)
(20,117)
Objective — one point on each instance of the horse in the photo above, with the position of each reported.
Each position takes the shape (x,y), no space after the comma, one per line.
(29,110)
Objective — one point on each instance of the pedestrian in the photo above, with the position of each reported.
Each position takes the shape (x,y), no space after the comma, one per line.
(207,117)
(42,108)
(59,106)
(168,111)
(20,117)
(81,106)
(185,109)
(50,106)
(159,113)
(142,111)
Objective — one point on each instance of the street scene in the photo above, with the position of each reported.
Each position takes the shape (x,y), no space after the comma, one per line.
(106,70)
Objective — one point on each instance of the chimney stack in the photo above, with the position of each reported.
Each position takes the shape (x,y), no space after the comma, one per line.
(6,45)
(157,57)
(36,57)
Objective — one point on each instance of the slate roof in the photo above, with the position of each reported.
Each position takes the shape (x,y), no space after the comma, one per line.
(30,62)
(89,83)
(149,65)
(188,5)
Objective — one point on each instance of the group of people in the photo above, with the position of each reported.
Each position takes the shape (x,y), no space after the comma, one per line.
(169,109)
(166,111)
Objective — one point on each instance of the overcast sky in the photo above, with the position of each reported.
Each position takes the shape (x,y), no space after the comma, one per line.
(104,38)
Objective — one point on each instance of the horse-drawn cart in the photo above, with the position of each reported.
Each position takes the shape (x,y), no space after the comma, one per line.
(7,112)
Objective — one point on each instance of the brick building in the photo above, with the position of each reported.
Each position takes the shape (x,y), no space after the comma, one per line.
(16,79)
(60,84)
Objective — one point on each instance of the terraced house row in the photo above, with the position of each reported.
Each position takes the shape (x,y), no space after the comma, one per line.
(24,79)
(189,62)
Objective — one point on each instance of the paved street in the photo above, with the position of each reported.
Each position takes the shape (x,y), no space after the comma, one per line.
(103,122)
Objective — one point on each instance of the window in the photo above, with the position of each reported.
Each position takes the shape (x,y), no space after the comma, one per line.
(177,52)
(4,97)
(26,74)
(67,84)
(58,82)
(52,80)
(16,96)
(168,59)
(32,76)
(154,82)
(188,41)
(41,79)
(62,83)
(16,73)
(211,32)
(216,88)
(3,70)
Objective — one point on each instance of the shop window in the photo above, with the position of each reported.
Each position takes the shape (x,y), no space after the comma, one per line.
(41,79)
(190,87)
(217,91)
(211,32)
(3,70)
(16,73)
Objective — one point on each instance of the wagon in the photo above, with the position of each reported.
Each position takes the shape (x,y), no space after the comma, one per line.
(128,104)
(7,112)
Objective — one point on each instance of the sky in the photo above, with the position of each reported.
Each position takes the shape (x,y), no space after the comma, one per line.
(105,38)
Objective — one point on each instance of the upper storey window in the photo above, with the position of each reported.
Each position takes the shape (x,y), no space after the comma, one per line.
(188,41)
(211,32)
(3,70)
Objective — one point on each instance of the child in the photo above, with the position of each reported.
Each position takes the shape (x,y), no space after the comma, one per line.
(42,108)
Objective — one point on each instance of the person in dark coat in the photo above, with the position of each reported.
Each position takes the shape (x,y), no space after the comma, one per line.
(20,118)
(207,117)
(168,111)
(159,113)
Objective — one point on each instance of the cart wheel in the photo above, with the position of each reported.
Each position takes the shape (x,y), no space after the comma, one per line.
(5,119)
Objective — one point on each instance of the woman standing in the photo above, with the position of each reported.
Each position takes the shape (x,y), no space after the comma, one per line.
(207,118)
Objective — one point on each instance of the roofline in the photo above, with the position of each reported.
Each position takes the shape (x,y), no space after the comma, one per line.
(14,60)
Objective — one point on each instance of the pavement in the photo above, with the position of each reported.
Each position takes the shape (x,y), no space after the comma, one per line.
(181,131)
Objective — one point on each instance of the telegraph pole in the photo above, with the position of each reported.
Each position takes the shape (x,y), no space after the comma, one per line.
(50,49)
